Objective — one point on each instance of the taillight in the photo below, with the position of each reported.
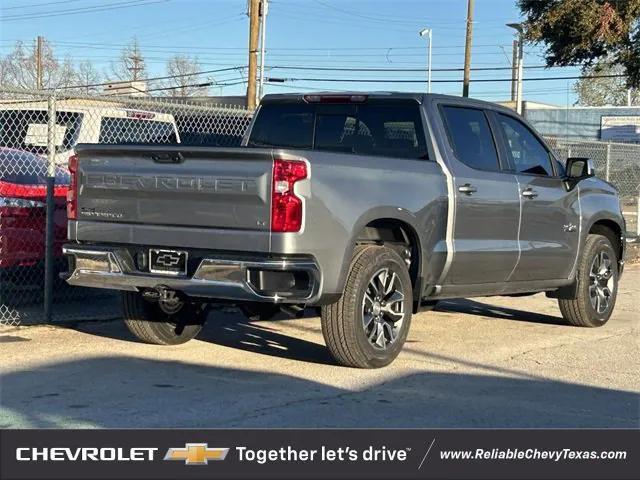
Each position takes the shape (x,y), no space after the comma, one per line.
(72,193)
(286,207)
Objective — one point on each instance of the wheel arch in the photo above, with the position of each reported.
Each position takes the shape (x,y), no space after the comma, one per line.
(614,231)
(601,225)
(393,227)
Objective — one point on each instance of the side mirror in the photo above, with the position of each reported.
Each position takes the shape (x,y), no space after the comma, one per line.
(579,168)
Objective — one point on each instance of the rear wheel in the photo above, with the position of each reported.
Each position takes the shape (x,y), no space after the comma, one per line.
(368,326)
(597,285)
(162,323)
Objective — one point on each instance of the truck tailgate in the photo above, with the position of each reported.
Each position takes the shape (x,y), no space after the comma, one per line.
(198,187)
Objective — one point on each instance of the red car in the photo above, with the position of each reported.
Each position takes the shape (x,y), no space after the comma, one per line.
(23,214)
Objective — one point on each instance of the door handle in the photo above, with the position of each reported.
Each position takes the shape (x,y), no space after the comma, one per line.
(467,189)
(529,193)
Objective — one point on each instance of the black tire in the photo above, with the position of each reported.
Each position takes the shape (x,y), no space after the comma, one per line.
(343,323)
(148,322)
(581,311)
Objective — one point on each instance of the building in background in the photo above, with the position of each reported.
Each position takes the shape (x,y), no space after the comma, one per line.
(614,124)
(129,88)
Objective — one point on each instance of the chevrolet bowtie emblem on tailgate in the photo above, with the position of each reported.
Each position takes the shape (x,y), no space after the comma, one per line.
(196,454)
(168,260)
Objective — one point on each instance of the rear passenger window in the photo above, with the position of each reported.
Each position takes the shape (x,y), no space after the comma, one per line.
(286,126)
(471,137)
(390,130)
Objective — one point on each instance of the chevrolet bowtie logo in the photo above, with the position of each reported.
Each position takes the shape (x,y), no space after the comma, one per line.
(168,260)
(196,454)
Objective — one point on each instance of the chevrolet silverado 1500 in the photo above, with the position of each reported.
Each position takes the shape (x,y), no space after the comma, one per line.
(370,206)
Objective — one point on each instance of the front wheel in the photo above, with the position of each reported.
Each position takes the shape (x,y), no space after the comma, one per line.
(597,285)
(368,326)
(153,322)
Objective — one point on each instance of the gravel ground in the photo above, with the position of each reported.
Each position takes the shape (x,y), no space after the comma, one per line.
(492,362)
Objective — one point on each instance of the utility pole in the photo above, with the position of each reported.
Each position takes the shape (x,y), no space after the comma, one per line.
(137,63)
(264,8)
(467,49)
(429,33)
(520,64)
(254,31)
(514,72)
(39,72)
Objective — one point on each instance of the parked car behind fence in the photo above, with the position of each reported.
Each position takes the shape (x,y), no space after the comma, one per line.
(26,140)
(25,125)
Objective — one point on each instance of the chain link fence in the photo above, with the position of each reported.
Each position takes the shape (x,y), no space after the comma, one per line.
(618,163)
(38,132)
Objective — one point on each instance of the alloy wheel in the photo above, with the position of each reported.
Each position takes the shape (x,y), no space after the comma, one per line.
(383,308)
(601,282)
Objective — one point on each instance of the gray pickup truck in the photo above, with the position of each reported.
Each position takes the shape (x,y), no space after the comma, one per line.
(370,206)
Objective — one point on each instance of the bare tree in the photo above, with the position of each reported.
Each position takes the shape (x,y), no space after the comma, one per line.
(19,68)
(185,81)
(130,65)
(606,90)
(4,77)
(88,78)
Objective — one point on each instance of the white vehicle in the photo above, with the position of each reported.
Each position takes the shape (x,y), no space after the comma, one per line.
(24,126)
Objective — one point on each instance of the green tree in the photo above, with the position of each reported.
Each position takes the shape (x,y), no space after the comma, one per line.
(606,90)
(586,32)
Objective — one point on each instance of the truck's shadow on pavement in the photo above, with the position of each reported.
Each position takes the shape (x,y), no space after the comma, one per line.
(481,309)
(234,331)
(228,327)
(140,392)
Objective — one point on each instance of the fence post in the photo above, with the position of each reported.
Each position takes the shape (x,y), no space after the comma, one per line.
(49,239)
(608,159)
(638,215)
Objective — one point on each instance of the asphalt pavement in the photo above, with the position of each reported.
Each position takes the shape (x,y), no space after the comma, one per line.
(488,362)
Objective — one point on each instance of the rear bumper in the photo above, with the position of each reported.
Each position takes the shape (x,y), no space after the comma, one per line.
(216,276)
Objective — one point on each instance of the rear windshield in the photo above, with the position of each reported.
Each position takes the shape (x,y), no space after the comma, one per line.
(24,168)
(132,130)
(27,130)
(393,130)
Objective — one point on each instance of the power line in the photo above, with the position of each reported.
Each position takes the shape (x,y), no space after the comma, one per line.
(303,49)
(367,17)
(198,85)
(39,4)
(271,80)
(477,80)
(374,69)
(75,11)
(167,77)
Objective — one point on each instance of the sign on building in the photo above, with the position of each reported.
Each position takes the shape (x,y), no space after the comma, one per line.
(621,128)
